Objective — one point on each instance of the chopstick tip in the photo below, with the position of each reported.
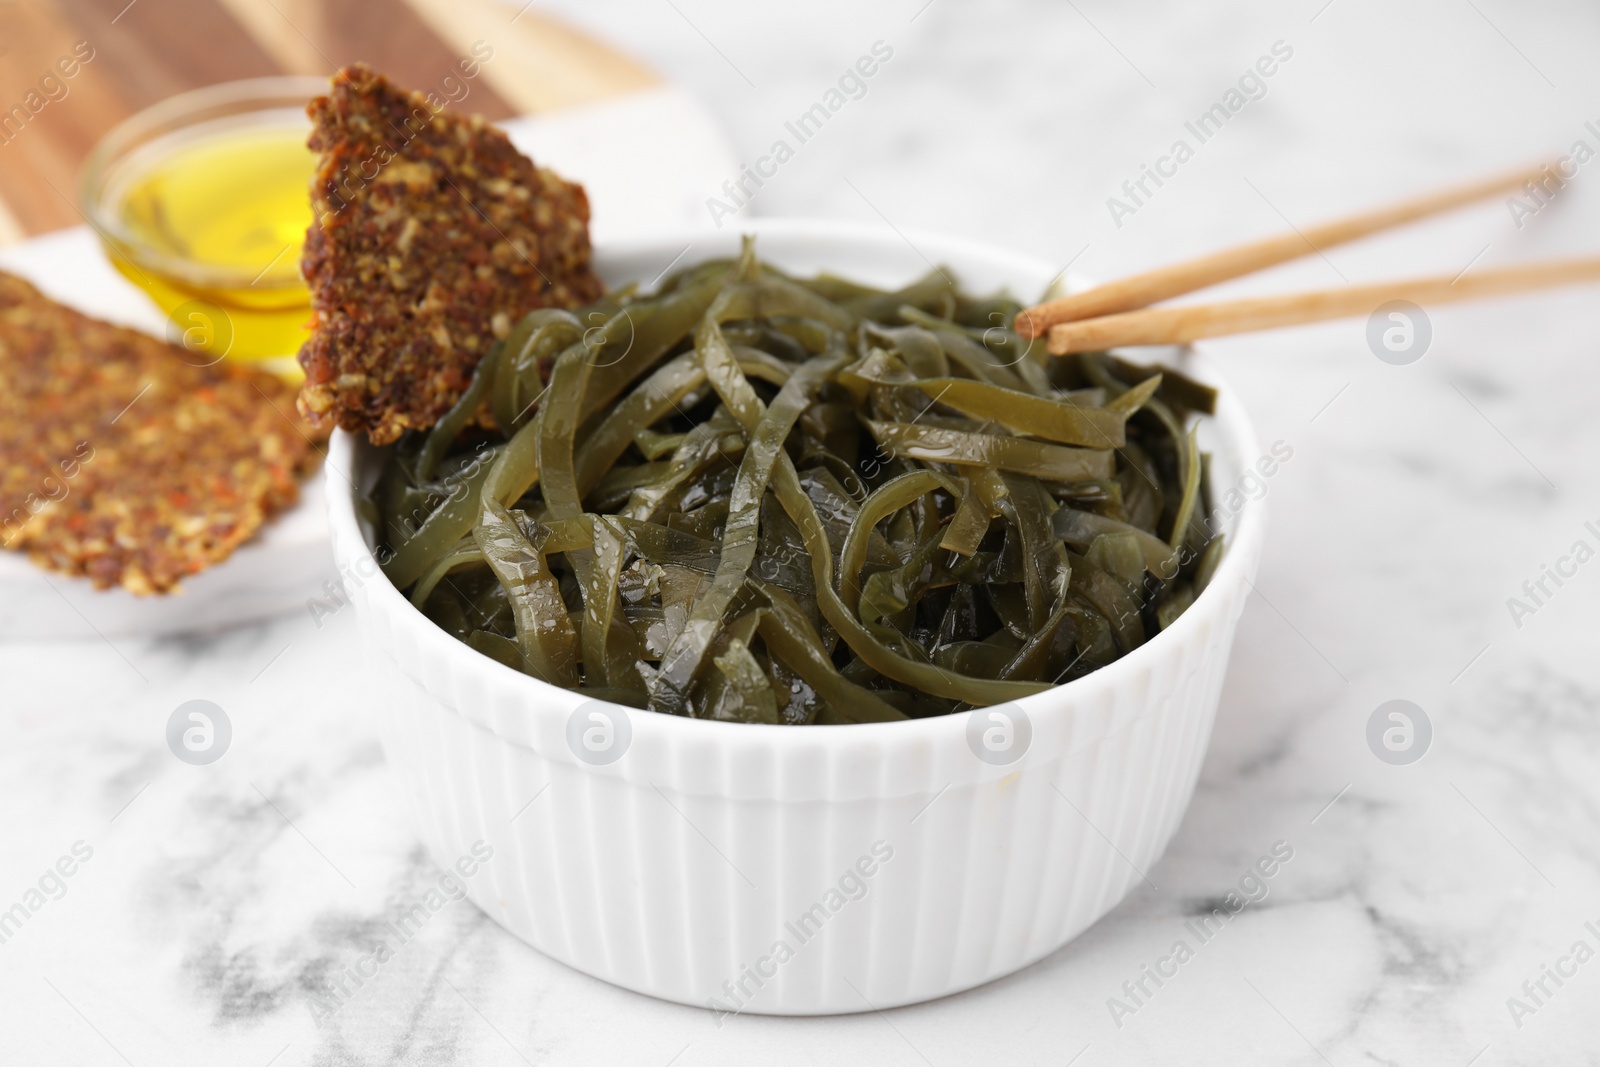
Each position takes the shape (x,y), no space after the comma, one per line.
(1060,340)
(1026,326)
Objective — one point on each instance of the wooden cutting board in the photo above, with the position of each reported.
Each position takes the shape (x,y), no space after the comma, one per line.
(147,50)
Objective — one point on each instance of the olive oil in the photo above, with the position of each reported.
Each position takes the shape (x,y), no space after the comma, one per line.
(219,219)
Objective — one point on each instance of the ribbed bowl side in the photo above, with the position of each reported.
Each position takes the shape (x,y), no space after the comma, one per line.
(687,894)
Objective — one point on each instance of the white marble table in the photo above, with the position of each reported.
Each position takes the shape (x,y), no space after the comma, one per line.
(1418,499)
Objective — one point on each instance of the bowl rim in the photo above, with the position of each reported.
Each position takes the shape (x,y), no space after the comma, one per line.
(271,93)
(346,452)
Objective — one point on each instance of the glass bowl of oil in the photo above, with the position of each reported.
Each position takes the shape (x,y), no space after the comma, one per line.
(203,202)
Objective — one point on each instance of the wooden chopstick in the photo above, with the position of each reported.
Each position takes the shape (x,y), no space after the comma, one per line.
(1142,290)
(1176,325)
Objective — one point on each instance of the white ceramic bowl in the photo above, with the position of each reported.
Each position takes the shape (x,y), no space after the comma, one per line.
(800,870)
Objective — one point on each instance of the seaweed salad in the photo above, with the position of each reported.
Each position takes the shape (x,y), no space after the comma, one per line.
(759,498)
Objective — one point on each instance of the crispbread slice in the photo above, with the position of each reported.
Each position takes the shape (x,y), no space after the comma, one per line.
(433,236)
(122,461)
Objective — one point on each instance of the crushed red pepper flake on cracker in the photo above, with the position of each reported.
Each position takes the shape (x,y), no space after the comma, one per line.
(122,461)
(433,237)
